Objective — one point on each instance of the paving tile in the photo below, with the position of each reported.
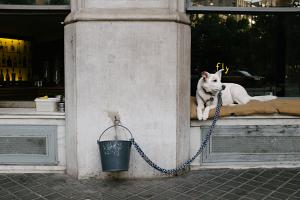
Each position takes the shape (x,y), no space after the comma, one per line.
(234,183)
(227,176)
(295,182)
(30,196)
(293,198)
(226,187)
(206,197)
(297,194)
(135,197)
(147,194)
(260,179)
(269,186)
(239,191)
(230,196)
(240,179)
(262,191)
(279,195)
(254,183)
(292,186)
(4,193)
(171,194)
(53,196)
(8,197)
(245,198)
(285,190)
(4,180)
(21,193)
(181,189)
(247,187)
(267,175)
(271,198)
(275,183)
(122,194)
(202,188)
(248,175)
(42,190)
(196,194)
(216,192)
(213,184)
(9,184)
(255,196)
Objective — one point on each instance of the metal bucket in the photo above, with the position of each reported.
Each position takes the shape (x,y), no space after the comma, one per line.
(115,154)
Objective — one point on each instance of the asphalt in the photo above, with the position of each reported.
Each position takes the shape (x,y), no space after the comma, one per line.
(246,184)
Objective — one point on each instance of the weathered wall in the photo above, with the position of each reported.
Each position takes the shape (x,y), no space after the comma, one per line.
(136,65)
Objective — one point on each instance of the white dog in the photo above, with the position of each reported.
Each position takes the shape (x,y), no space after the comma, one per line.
(210,85)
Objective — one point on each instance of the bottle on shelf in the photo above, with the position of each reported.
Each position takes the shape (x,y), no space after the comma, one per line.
(9,62)
(13,75)
(1,77)
(15,62)
(5,48)
(20,75)
(12,47)
(24,62)
(3,60)
(18,48)
(7,76)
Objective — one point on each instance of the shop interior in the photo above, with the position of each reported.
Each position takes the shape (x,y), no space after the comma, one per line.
(31,54)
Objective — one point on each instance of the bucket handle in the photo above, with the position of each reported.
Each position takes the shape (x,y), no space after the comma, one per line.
(116,126)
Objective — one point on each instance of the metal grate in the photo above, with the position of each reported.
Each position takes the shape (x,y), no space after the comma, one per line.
(23,145)
(255,144)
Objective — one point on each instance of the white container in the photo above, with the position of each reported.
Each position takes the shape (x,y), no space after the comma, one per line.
(46,105)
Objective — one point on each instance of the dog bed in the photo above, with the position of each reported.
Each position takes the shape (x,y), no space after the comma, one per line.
(277,106)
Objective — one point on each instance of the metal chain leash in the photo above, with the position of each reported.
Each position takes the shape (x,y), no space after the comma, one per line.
(188,162)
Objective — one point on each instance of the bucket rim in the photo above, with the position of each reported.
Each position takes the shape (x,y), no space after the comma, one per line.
(99,141)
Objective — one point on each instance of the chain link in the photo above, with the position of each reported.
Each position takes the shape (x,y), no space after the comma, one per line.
(183,166)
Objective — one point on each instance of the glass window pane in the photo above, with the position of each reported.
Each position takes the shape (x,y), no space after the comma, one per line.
(35,2)
(246,3)
(259,52)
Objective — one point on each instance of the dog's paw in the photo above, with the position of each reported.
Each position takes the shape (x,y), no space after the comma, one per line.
(205,115)
(199,116)
(205,118)
(199,113)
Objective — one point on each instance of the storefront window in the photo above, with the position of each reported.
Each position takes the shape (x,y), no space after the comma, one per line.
(35,2)
(259,51)
(245,3)
(31,55)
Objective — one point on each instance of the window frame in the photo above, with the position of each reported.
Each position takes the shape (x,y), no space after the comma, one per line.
(240,10)
(20,7)
(231,9)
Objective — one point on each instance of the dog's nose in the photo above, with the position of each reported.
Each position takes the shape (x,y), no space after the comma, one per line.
(223,87)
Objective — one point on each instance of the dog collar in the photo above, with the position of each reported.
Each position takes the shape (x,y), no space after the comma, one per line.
(208,100)
(208,93)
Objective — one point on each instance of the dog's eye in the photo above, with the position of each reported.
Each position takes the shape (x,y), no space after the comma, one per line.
(215,80)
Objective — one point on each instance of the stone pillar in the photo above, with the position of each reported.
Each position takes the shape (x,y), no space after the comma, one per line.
(129,58)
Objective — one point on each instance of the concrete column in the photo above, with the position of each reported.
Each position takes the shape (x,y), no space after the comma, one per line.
(129,58)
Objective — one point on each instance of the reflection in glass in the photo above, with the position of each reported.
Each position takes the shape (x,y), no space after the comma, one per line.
(246,3)
(35,2)
(261,52)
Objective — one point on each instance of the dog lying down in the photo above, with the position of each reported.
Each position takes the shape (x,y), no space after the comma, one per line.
(210,85)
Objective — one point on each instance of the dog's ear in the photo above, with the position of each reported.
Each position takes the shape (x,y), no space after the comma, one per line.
(204,74)
(219,73)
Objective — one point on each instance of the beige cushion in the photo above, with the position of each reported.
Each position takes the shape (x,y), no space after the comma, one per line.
(287,107)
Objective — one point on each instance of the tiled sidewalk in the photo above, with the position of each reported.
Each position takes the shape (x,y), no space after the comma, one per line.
(262,184)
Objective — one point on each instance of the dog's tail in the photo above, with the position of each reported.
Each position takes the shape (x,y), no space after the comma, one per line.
(263,98)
